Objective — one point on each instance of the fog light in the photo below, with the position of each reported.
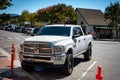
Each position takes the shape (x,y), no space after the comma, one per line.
(57,58)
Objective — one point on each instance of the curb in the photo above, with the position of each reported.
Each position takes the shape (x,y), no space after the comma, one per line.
(18,72)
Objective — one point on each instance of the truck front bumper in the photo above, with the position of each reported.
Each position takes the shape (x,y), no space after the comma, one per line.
(54,59)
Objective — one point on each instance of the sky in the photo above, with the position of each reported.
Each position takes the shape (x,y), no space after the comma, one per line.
(34,5)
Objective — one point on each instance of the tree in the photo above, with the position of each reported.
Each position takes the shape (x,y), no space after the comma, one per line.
(4,18)
(27,17)
(112,13)
(32,18)
(5,3)
(56,14)
(24,17)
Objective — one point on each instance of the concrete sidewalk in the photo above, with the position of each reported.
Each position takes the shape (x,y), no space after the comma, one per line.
(18,73)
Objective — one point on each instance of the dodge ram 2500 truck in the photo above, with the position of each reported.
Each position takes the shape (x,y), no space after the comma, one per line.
(55,46)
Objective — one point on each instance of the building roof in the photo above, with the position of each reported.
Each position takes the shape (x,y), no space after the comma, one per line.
(92,16)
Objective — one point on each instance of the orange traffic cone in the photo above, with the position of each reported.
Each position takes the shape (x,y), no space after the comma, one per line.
(99,75)
(12,59)
(13,48)
(14,51)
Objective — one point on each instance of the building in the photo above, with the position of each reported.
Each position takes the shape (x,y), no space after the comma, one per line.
(93,20)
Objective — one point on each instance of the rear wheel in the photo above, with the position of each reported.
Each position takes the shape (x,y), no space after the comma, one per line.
(69,63)
(88,53)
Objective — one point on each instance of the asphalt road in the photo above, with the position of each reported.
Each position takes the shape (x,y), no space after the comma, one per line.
(105,54)
(7,38)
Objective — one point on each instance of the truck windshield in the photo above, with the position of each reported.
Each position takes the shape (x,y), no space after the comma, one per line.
(57,31)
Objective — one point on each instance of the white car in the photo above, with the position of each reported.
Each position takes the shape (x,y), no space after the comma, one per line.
(30,30)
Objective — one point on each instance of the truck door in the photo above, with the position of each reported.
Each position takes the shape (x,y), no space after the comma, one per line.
(80,39)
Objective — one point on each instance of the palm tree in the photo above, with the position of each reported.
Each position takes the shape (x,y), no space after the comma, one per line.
(112,13)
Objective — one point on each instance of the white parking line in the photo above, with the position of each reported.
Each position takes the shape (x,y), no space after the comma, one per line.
(23,37)
(9,37)
(5,53)
(83,75)
(27,36)
(16,38)
(1,38)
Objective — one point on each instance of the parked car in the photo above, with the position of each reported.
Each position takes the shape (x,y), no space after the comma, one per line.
(17,29)
(1,28)
(24,30)
(56,46)
(30,30)
(9,28)
(35,31)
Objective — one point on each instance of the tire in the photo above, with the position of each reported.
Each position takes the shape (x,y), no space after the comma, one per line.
(68,66)
(88,53)
(26,67)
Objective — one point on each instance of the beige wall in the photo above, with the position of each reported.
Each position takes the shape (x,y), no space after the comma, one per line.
(88,28)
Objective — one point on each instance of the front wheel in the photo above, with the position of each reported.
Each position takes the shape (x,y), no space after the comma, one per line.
(88,53)
(69,63)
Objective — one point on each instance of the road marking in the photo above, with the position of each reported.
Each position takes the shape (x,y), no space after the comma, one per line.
(1,38)
(27,36)
(9,38)
(5,53)
(24,37)
(16,38)
(83,75)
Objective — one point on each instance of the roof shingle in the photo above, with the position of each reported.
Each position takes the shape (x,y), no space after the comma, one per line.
(92,16)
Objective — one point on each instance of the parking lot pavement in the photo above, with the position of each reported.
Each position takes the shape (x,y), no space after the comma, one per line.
(5,70)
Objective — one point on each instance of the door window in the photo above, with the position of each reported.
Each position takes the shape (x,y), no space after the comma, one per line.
(77,32)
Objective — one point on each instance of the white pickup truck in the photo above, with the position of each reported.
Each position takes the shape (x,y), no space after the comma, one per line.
(55,46)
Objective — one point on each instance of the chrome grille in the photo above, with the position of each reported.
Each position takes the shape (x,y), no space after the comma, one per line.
(29,45)
(28,50)
(39,47)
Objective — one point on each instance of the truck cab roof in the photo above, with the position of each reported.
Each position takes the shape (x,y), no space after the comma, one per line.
(61,25)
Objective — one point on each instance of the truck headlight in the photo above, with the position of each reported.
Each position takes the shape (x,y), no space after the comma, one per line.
(59,48)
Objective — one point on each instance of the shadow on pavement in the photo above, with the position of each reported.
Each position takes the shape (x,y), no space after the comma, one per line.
(17,74)
(78,61)
(52,73)
(38,73)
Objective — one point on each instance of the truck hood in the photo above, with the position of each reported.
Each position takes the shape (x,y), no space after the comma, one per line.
(52,39)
